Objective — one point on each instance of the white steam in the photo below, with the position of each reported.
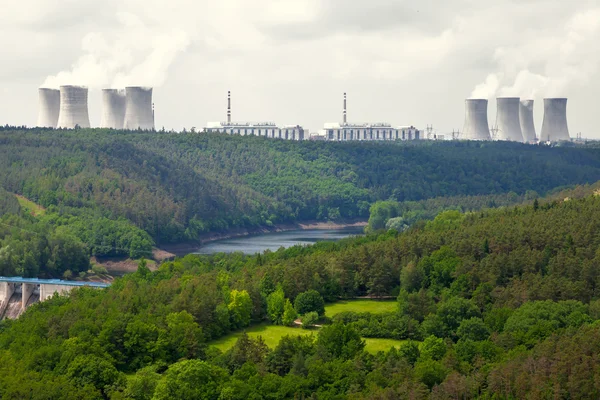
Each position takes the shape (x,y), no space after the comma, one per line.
(136,54)
(549,66)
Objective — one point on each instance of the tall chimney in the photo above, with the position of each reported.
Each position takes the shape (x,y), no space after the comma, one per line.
(476,120)
(228,107)
(345,120)
(554,125)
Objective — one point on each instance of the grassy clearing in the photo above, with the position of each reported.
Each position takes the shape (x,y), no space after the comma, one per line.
(272,334)
(30,207)
(371,306)
(376,345)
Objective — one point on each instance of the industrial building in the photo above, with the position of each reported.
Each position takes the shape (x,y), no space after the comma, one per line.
(508,125)
(345,131)
(49,107)
(476,120)
(138,108)
(266,129)
(113,108)
(554,126)
(73,107)
(526,121)
(515,122)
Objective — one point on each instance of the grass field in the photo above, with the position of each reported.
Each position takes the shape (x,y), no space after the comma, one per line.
(272,334)
(372,306)
(30,207)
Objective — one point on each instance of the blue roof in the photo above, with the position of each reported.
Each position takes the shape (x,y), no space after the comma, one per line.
(37,281)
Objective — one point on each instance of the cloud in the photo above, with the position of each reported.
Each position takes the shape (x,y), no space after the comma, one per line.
(547,65)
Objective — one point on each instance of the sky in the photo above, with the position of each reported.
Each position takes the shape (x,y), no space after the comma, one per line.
(290,61)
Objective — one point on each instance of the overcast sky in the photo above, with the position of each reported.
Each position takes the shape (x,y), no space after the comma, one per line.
(289,61)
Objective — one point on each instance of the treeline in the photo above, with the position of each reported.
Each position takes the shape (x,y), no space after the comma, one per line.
(8,203)
(494,304)
(178,186)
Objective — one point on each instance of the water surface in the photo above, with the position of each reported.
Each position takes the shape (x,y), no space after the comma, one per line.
(273,241)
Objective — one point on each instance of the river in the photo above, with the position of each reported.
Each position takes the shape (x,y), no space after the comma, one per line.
(273,241)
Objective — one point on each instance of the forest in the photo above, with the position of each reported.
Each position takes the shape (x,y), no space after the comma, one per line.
(496,303)
(178,186)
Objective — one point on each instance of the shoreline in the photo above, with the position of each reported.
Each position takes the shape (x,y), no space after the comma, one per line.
(180,249)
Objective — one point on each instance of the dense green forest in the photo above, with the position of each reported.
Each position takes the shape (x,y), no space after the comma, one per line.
(177,186)
(499,303)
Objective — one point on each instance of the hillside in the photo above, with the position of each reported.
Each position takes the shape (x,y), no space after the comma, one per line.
(179,186)
(494,304)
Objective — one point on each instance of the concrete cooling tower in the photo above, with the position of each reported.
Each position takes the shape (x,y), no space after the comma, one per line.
(526,120)
(49,103)
(507,119)
(554,126)
(138,109)
(113,108)
(476,120)
(73,107)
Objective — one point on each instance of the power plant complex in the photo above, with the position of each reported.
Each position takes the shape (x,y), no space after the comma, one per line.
(514,121)
(67,108)
(132,109)
(336,131)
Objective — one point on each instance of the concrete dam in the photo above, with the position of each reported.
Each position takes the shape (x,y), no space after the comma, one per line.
(16,293)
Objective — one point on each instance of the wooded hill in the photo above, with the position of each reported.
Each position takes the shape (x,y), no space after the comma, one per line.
(178,186)
(494,304)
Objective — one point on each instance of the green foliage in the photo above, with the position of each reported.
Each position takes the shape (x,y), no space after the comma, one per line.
(517,319)
(95,371)
(309,319)
(289,313)
(8,203)
(191,379)
(473,329)
(240,308)
(539,319)
(309,301)
(432,348)
(276,306)
(430,372)
(339,341)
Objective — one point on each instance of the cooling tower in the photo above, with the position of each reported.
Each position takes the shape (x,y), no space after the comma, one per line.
(554,126)
(138,108)
(476,120)
(526,120)
(507,119)
(113,108)
(49,104)
(73,107)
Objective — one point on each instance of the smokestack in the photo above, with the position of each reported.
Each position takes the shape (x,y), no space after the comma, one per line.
(554,126)
(73,107)
(138,108)
(49,104)
(228,107)
(526,121)
(507,119)
(113,108)
(345,120)
(476,120)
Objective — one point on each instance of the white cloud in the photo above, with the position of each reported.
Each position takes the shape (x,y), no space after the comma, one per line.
(289,61)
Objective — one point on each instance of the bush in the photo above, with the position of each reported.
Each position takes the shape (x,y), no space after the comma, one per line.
(309,301)
(309,320)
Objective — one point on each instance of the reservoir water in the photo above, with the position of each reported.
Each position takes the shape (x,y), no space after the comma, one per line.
(273,241)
